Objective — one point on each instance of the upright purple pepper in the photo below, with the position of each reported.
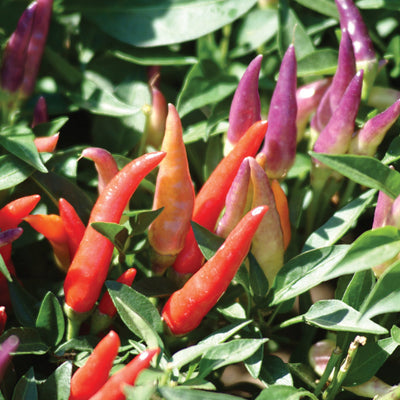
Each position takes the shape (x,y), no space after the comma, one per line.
(308,97)
(6,348)
(336,136)
(236,199)
(245,108)
(37,42)
(370,136)
(351,20)
(9,235)
(382,210)
(345,72)
(13,67)
(281,137)
(40,112)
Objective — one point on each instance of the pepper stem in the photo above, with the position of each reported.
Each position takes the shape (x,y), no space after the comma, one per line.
(75,320)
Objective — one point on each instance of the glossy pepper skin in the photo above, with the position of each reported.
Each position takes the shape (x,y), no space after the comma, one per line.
(89,378)
(246,107)
(3,318)
(210,201)
(89,267)
(175,194)
(187,307)
(281,138)
(113,389)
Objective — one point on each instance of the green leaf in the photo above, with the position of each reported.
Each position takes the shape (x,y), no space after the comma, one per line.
(204,84)
(30,341)
(285,392)
(275,372)
(395,333)
(257,27)
(334,229)
(378,4)
(393,152)
(50,128)
(179,393)
(228,353)
(305,271)
(117,234)
(140,392)
(313,267)
(141,219)
(291,30)
(199,131)
(26,388)
(368,360)
(208,242)
(324,7)
(358,288)
(137,312)
(57,385)
(4,270)
(320,62)
(23,304)
(188,354)
(50,320)
(367,171)
(385,296)
(337,316)
(23,147)
(156,23)
(257,279)
(84,343)
(159,56)
(13,171)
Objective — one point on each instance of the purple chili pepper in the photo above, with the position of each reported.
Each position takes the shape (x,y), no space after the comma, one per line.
(40,113)
(345,71)
(9,235)
(351,20)
(245,108)
(6,348)
(344,74)
(336,136)
(370,136)
(281,137)
(36,45)
(236,199)
(308,97)
(12,70)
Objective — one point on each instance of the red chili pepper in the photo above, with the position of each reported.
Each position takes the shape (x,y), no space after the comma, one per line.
(175,193)
(37,42)
(46,144)
(210,200)
(89,267)
(114,387)
(73,225)
(282,207)
(105,164)
(3,319)
(52,228)
(88,379)
(186,307)
(106,306)
(105,312)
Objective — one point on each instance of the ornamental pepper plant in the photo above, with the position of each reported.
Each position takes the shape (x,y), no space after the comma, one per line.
(199,199)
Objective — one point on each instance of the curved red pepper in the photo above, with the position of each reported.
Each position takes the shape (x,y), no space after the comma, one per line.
(89,267)
(210,200)
(88,379)
(186,307)
(73,225)
(114,387)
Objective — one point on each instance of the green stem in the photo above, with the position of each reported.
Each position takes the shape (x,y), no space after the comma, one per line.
(392,395)
(224,44)
(292,321)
